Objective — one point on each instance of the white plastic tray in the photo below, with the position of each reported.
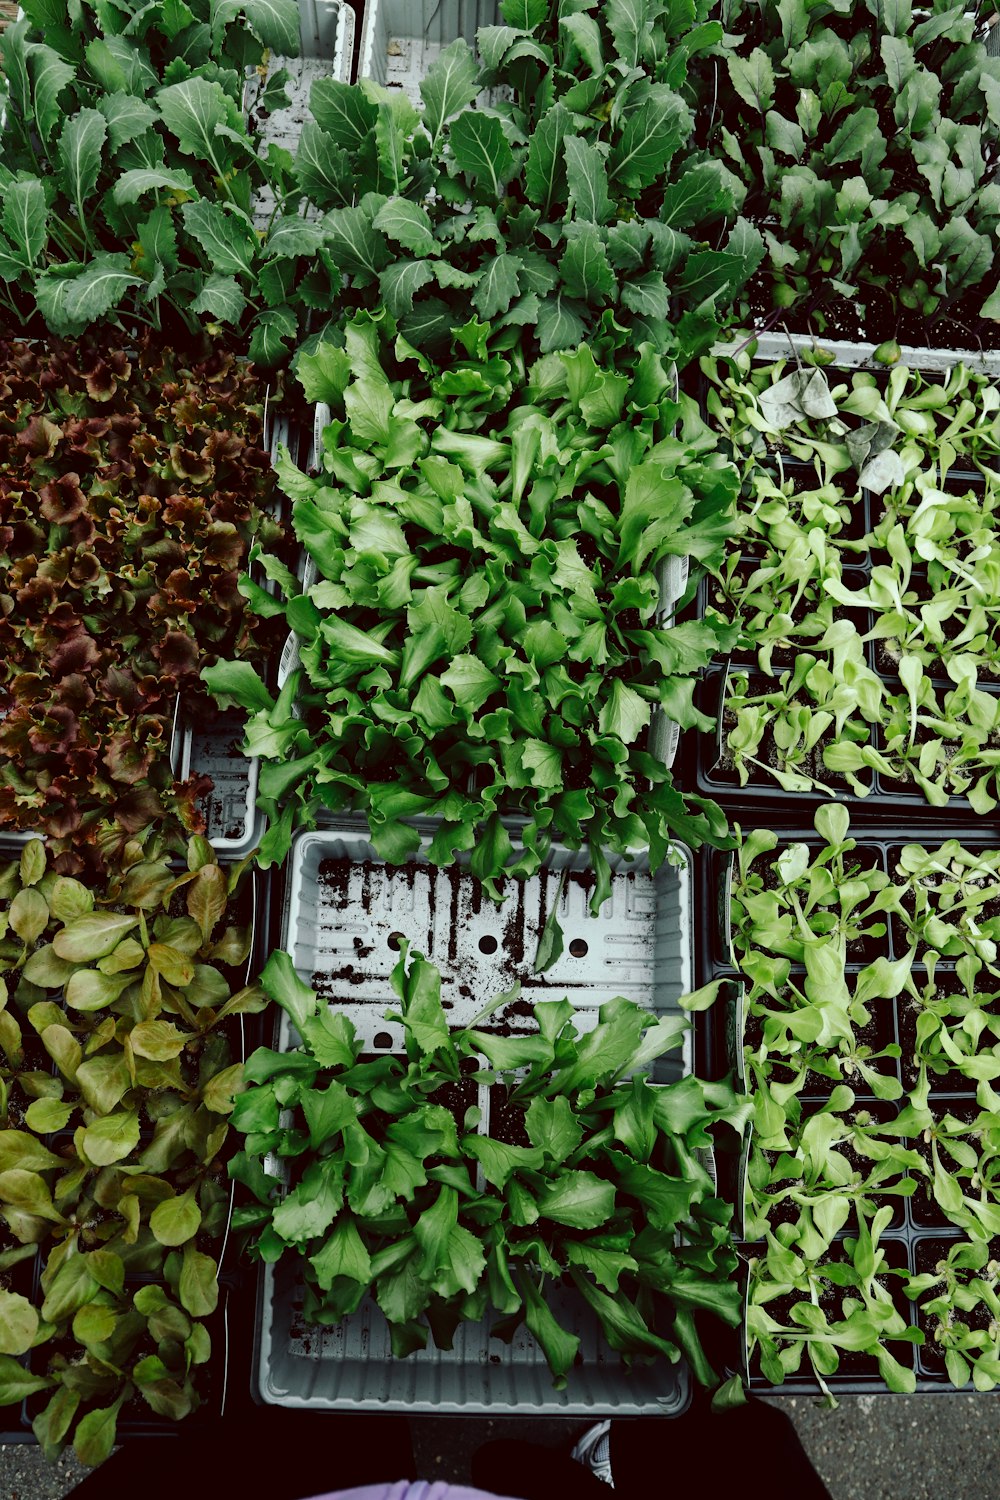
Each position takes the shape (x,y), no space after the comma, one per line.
(345,911)
(234,826)
(848,355)
(401,39)
(327,33)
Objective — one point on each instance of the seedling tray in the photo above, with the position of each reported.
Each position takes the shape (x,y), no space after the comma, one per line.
(703,767)
(329,33)
(346,914)
(718,1051)
(401,39)
(852,355)
(931,1378)
(347,911)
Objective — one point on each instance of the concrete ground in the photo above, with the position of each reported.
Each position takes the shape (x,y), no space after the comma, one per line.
(924,1447)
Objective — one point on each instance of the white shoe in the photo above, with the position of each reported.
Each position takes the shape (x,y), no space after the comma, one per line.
(593,1450)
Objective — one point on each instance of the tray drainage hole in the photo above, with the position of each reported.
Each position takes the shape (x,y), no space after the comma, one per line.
(487,944)
(382,1039)
(578,947)
(395,940)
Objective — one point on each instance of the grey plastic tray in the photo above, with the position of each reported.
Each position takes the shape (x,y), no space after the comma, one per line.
(327,34)
(848,355)
(345,911)
(401,39)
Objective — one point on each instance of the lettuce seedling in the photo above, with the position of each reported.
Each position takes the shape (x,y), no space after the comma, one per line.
(134,485)
(390,1193)
(121,1067)
(483,637)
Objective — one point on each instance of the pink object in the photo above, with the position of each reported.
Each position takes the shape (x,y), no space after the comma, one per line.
(412,1489)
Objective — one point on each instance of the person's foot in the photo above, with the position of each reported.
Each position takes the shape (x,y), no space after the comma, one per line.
(593,1450)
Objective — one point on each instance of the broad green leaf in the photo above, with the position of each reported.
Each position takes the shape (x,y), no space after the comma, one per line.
(353,242)
(70,299)
(221,298)
(52,1424)
(651,135)
(628,21)
(480,148)
(451,83)
(586,35)
(28,915)
(560,1347)
(283,985)
(20,1150)
(498,285)
(48,1115)
(322,168)
(400,282)
(276,23)
(126,118)
(343,1254)
(753,79)
(23,1189)
(544,168)
(111,1138)
(227,239)
(89,989)
(198,1286)
(553,1127)
(81,148)
(851,140)
(587,181)
(236,682)
(408,224)
(17,1383)
(25,216)
(560,325)
(131,185)
(578,1199)
(92,936)
(50,74)
(624,713)
(176,1220)
(343,112)
(95,1434)
(193,110)
(585,269)
(157,1040)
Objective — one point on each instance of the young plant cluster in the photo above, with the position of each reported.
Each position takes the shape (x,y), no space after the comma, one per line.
(391,1189)
(574,202)
(128,176)
(485,632)
(117,1076)
(867,138)
(857,1137)
(866,577)
(132,487)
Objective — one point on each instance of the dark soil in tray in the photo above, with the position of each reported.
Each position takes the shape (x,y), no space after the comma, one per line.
(866,1113)
(987,911)
(944,1078)
(874,316)
(724,770)
(860,949)
(457,1098)
(879,1033)
(924,1209)
(853,1364)
(506,1119)
(927,1253)
(787,648)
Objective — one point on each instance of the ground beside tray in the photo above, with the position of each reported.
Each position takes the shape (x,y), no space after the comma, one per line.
(871,1448)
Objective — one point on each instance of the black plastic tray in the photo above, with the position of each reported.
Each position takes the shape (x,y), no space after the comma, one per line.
(715,1043)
